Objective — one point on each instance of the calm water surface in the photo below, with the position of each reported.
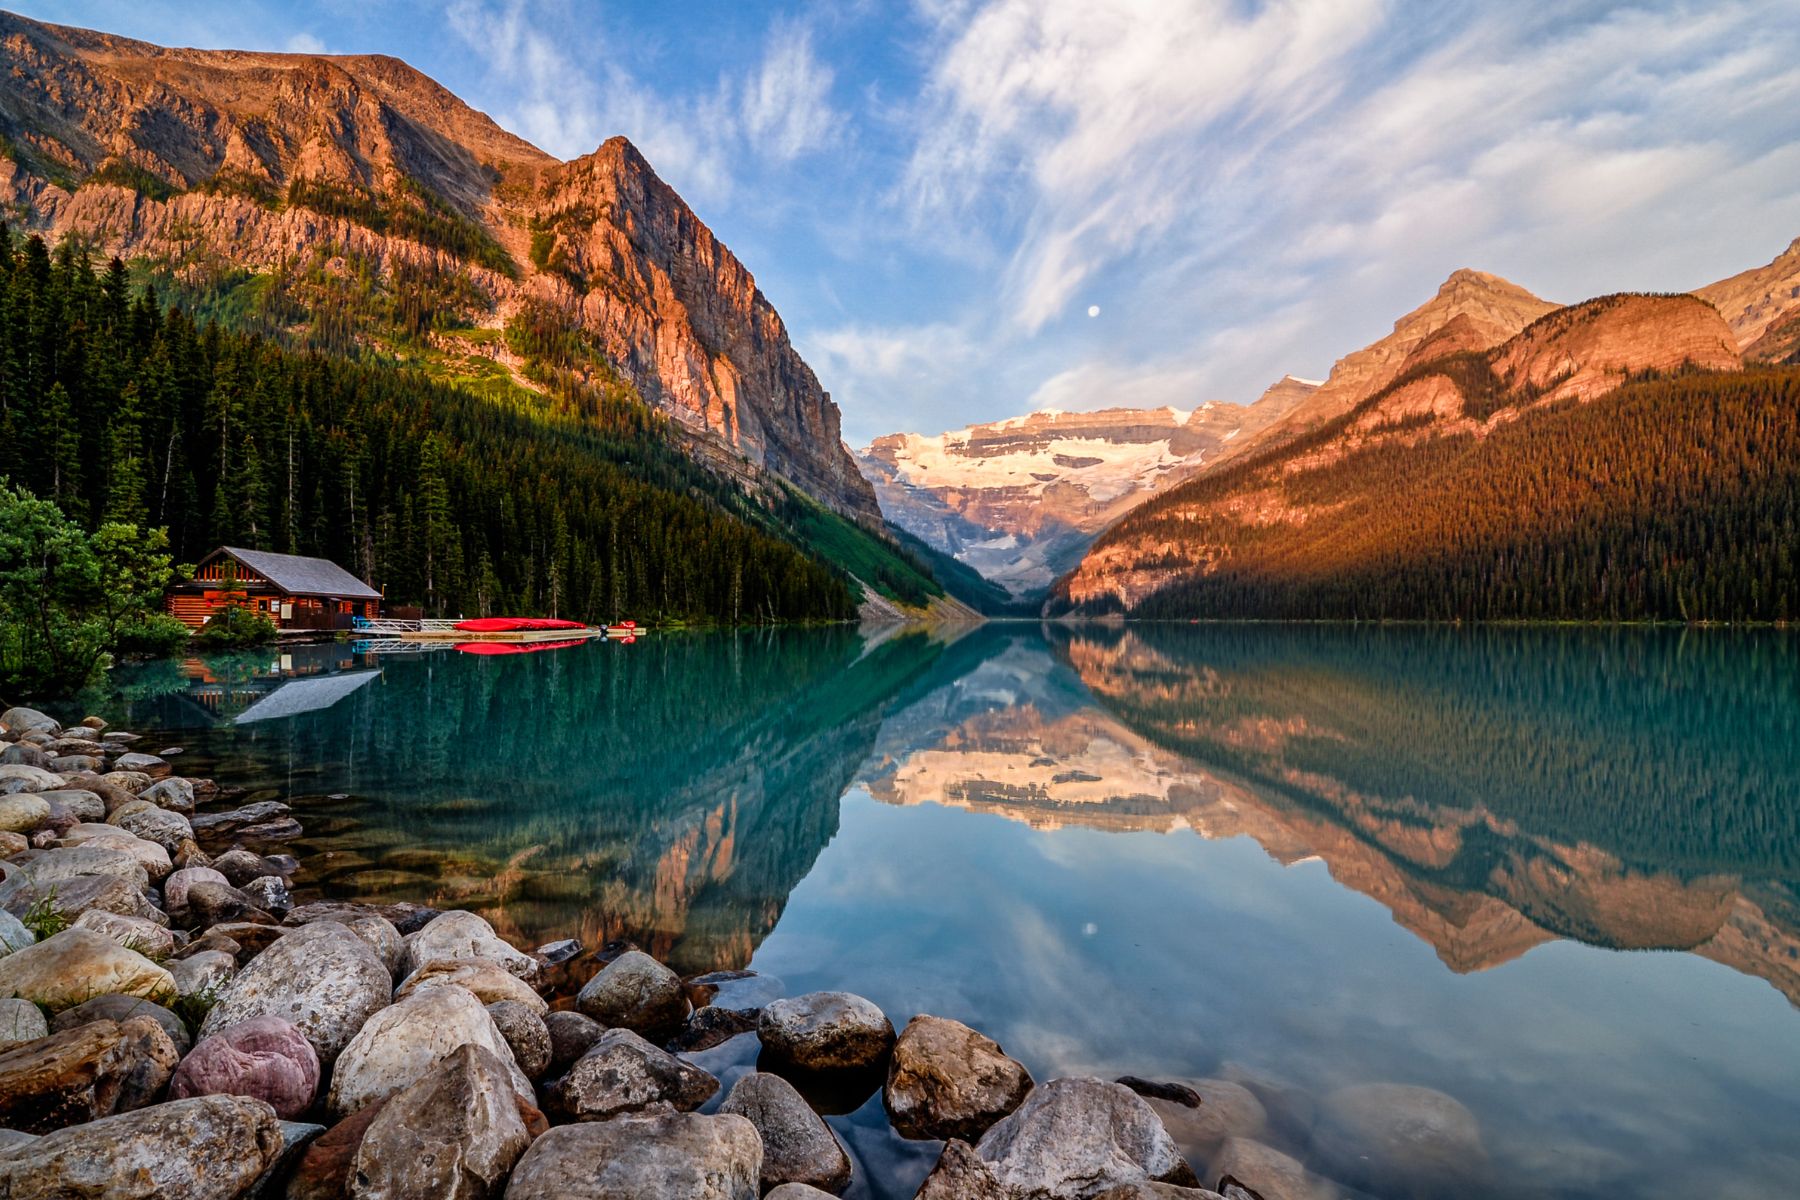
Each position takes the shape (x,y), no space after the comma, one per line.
(1553,875)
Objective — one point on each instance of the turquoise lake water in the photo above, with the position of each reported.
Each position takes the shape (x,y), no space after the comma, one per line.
(1552,875)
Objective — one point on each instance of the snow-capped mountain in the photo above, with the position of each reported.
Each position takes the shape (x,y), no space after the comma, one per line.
(1020,499)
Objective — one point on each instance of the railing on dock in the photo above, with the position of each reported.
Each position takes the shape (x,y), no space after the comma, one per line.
(389,627)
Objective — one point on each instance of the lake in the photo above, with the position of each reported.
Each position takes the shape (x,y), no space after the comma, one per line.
(1553,876)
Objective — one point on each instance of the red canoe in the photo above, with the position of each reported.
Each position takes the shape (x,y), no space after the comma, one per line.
(515,625)
(514,647)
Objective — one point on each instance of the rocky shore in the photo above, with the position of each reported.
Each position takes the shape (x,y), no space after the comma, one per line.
(173,1023)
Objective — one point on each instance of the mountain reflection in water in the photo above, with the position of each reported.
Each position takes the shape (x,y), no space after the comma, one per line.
(995,824)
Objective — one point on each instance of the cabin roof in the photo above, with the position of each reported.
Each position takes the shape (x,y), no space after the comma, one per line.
(298,575)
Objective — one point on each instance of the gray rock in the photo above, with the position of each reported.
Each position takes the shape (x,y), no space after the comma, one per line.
(1226,1109)
(120,1008)
(1078,1137)
(947,1081)
(134,933)
(960,1174)
(669,1156)
(211,904)
(203,974)
(210,1148)
(453,1135)
(622,1073)
(571,1034)
(733,991)
(77,894)
(223,823)
(798,1147)
(269,893)
(43,867)
(175,887)
(405,917)
(22,812)
(634,991)
(21,1021)
(62,971)
(241,866)
(1159,1191)
(129,781)
(21,720)
(174,793)
(148,764)
(525,1032)
(488,980)
(825,1031)
(13,934)
(1391,1137)
(167,829)
(21,755)
(796,1191)
(1272,1174)
(79,803)
(465,935)
(152,857)
(322,977)
(398,1045)
(553,954)
(280,829)
(77,764)
(296,1136)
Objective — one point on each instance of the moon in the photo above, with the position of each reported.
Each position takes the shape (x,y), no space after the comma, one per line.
(1093,310)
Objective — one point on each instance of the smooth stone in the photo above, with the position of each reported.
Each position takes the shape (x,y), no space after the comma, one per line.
(241,866)
(669,1156)
(279,830)
(825,1031)
(465,935)
(405,917)
(960,1174)
(489,981)
(1265,1170)
(23,812)
(571,1035)
(1226,1110)
(78,893)
(174,794)
(21,1021)
(211,1148)
(266,1058)
(148,764)
(76,764)
(44,867)
(945,1080)
(1395,1136)
(1076,1137)
(269,893)
(84,1074)
(1161,1191)
(175,887)
(798,1147)
(204,974)
(322,977)
(21,720)
(554,954)
(797,1191)
(210,904)
(13,934)
(76,964)
(252,938)
(398,1045)
(130,781)
(21,777)
(134,933)
(167,829)
(221,823)
(121,1008)
(526,1035)
(13,843)
(453,1135)
(18,754)
(636,992)
(112,796)
(152,857)
(83,805)
(622,1073)
(97,724)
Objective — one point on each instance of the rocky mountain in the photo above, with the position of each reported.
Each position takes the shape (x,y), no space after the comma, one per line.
(1762,305)
(351,189)
(1020,499)
(1464,486)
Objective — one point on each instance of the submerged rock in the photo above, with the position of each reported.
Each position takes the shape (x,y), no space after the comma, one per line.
(1394,1136)
(76,964)
(947,1081)
(212,1148)
(622,1073)
(825,1031)
(83,1074)
(798,1147)
(453,1135)
(1226,1109)
(1077,1137)
(671,1156)
(1270,1173)
(323,978)
(398,1045)
(265,1058)
(636,992)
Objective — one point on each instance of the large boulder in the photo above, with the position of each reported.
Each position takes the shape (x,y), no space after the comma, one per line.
(212,904)
(211,825)
(1226,1110)
(270,893)
(1394,1137)
(76,964)
(77,894)
(960,1174)
(453,1135)
(21,1021)
(671,1156)
(174,794)
(798,1147)
(23,812)
(489,981)
(398,1046)
(571,1035)
(150,856)
(825,1031)
(146,764)
(175,887)
(323,978)
(134,933)
(20,720)
(1078,1137)
(77,803)
(84,1074)
(18,777)
(1266,1170)
(118,1007)
(45,868)
(525,1032)
(634,991)
(204,973)
(266,1058)
(160,825)
(622,1073)
(465,935)
(211,1148)
(947,1081)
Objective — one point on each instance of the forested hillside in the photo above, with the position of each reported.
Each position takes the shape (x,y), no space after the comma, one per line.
(1672,498)
(121,408)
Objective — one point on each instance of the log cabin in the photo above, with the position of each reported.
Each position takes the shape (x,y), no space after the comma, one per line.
(296,592)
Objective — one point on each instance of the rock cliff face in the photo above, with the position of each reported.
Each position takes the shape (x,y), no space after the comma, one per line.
(1580,352)
(1020,499)
(256,161)
(1761,305)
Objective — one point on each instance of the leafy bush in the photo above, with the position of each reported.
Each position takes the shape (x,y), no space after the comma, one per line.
(232,627)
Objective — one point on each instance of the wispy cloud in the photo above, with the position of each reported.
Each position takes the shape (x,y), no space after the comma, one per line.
(786,106)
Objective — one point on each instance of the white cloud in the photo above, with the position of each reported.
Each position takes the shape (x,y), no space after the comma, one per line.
(304,43)
(786,104)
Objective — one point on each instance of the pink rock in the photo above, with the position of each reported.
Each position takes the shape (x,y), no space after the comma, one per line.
(266,1058)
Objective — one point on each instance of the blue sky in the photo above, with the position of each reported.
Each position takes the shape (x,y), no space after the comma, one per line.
(935,194)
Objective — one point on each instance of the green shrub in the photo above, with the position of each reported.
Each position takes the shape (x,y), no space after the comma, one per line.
(232,627)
